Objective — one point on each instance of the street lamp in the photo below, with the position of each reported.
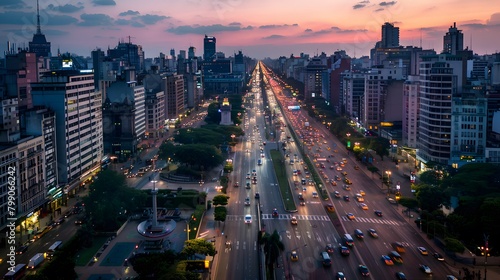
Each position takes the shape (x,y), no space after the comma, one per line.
(388,173)
(232,137)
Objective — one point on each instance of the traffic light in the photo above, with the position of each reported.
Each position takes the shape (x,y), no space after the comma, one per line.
(348,144)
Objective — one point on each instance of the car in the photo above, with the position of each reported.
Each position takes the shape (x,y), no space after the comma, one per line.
(359,197)
(21,249)
(302,203)
(294,256)
(362,192)
(247,201)
(359,234)
(79,221)
(422,251)
(356,167)
(59,221)
(344,251)
(337,194)
(438,256)
(314,194)
(248,185)
(257,195)
(387,260)
(363,206)
(339,168)
(373,233)
(451,277)
(400,275)
(304,189)
(329,207)
(333,182)
(301,197)
(248,219)
(346,187)
(275,212)
(363,269)
(340,276)
(346,198)
(425,268)
(378,213)
(348,181)
(293,220)
(329,248)
(344,173)
(237,184)
(399,247)
(337,178)
(254,172)
(351,216)
(248,176)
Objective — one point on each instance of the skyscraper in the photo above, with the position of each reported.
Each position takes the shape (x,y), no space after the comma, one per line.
(209,47)
(390,36)
(77,106)
(453,41)
(39,44)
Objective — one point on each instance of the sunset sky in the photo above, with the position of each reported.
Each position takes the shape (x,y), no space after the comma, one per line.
(259,28)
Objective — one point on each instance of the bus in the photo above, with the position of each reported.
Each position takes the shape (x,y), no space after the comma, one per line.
(16,273)
(52,249)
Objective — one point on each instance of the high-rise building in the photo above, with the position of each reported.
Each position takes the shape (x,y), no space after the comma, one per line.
(42,121)
(173,86)
(390,36)
(78,108)
(453,41)
(155,114)
(39,44)
(191,53)
(383,92)
(353,92)
(468,133)
(410,111)
(441,78)
(8,162)
(313,78)
(22,70)
(209,47)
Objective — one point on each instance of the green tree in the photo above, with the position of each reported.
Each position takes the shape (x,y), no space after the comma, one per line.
(198,246)
(454,245)
(272,249)
(220,213)
(220,199)
(380,145)
(430,198)
(110,201)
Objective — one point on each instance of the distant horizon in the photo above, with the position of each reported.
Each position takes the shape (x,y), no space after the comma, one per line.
(278,30)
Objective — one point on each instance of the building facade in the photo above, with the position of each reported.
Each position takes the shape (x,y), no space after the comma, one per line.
(78,109)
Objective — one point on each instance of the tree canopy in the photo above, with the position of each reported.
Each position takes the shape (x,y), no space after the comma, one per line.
(111,200)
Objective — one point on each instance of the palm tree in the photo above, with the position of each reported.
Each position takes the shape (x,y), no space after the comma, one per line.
(272,249)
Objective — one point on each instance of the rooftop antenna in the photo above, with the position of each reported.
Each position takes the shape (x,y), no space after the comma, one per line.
(471,41)
(420,37)
(38,30)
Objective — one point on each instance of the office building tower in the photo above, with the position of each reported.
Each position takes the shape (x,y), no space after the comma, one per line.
(453,41)
(77,105)
(468,133)
(441,78)
(313,78)
(353,91)
(39,44)
(155,114)
(21,71)
(173,86)
(390,36)
(410,111)
(383,92)
(191,53)
(209,47)
(42,121)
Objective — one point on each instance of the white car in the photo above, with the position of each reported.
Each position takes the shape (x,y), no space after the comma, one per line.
(248,219)
(247,201)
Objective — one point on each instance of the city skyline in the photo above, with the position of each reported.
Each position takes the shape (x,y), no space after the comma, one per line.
(257,28)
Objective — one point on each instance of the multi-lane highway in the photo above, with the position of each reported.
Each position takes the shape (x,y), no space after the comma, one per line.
(315,228)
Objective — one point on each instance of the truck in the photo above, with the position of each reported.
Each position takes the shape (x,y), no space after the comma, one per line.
(306,124)
(321,159)
(36,260)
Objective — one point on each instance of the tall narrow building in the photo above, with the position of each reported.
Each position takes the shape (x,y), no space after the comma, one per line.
(209,47)
(390,36)
(453,40)
(441,78)
(77,106)
(39,44)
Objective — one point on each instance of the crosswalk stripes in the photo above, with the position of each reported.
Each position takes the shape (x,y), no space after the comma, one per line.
(281,217)
(373,220)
